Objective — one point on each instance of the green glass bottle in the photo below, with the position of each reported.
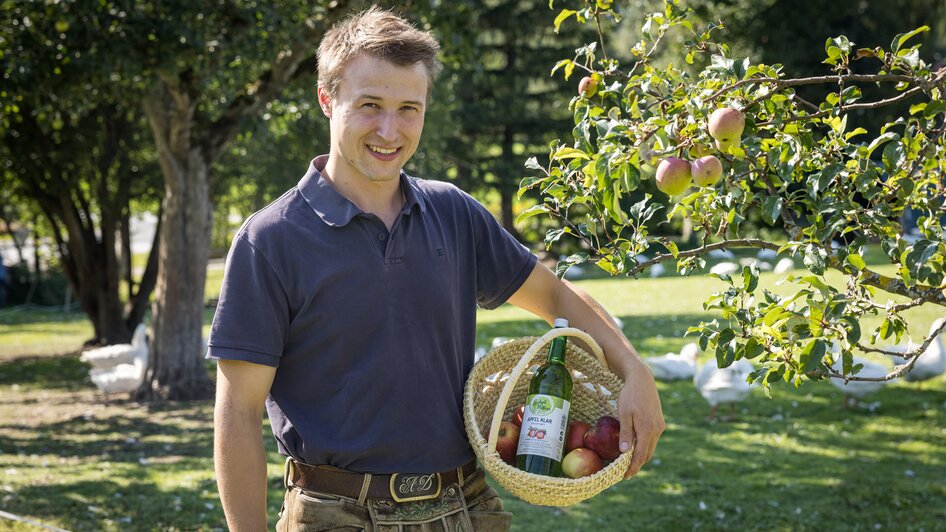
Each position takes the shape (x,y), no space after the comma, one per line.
(545,419)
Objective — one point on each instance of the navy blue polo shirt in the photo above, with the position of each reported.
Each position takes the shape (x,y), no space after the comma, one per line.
(372,332)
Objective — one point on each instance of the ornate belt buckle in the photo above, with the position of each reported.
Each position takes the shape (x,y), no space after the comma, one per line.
(407,487)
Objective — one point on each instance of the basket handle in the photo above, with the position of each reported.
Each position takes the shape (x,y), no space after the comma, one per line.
(523,363)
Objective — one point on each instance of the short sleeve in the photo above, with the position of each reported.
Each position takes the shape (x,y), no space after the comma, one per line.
(502,263)
(252,318)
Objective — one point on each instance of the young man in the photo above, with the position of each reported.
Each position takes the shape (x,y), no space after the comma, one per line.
(348,308)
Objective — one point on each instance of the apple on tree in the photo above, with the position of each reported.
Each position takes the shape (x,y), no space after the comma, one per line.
(706,170)
(581,462)
(673,176)
(726,125)
(603,438)
(508,442)
(588,86)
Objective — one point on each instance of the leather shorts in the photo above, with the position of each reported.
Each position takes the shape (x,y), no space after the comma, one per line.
(474,506)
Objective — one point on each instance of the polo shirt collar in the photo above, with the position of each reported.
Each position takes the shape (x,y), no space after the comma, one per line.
(335,209)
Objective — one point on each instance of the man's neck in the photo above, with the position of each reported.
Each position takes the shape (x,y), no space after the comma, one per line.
(384,199)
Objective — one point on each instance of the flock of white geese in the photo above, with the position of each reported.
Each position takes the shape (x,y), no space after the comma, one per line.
(728,386)
(121,368)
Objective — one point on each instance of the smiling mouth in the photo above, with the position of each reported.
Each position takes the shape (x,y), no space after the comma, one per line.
(383,151)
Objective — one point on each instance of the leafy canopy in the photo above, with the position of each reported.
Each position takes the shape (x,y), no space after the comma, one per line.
(798,167)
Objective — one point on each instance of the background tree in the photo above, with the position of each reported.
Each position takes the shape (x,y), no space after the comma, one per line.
(74,144)
(196,71)
(505,106)
(799,163)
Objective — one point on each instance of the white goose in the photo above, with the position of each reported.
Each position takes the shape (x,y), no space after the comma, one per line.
(783,265)
(123,378)
(119,368)
(113,355)
(930,363)
(725,268)
(673,366)
(724,385)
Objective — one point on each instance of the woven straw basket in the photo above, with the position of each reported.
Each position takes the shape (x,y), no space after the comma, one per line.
(499,383)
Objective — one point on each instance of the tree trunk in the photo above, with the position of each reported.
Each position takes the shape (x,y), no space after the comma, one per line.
(187,147)
(176,370)
(507,185)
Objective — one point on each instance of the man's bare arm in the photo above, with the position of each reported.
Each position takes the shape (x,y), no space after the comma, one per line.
(239,454)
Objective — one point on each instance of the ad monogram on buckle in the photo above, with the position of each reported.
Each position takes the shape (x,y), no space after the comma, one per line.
(413,487)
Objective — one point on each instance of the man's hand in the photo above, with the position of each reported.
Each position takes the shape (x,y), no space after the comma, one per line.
(642,419)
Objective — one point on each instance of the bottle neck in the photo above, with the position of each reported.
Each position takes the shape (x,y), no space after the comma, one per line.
(557,350)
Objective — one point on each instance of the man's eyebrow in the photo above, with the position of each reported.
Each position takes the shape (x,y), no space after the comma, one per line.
(378,99)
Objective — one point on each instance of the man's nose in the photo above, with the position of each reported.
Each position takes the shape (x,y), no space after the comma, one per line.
(387,126)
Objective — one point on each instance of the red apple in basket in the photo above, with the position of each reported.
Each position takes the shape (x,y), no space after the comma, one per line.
(581,462)
(517,415)
(508,441)
(603,438)
(575,435)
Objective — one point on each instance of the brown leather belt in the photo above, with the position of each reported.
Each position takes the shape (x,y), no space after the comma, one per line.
(400,487)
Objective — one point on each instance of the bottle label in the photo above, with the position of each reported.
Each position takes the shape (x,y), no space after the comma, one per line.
(544,422)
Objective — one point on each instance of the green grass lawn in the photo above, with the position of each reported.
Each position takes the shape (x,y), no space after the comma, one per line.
(797,461)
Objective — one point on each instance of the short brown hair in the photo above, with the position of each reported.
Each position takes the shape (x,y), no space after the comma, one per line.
(382,34)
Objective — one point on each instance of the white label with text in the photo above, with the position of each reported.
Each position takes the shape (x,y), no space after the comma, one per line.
(544,422)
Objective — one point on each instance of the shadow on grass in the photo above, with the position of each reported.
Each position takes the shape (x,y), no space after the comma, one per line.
(793,462)
(109,467)
(59,372)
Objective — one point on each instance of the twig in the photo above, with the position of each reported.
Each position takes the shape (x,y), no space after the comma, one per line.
(740,243)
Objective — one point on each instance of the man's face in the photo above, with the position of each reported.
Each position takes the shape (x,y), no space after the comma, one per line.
(376,118)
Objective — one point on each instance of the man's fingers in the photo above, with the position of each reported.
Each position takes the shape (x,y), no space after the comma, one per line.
(643,445)
(629,442)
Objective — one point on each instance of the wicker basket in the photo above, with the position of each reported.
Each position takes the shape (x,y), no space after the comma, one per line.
(499,383)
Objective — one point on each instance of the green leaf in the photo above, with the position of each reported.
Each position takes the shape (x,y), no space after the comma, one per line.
(856,132)
(901,38)
(671,247)
(885,329)
(771,209)
(553,235)
(934,107)
(856,261)
(570,153)
(815,259)
(810,357)
(532,211)
(894,156)
(562,17)
(750,278)
(753,349)
(629,176)
(886,137)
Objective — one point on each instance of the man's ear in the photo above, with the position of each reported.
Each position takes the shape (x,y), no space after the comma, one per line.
(325,102)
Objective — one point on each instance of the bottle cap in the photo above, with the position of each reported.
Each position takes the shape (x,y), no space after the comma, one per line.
(560,322)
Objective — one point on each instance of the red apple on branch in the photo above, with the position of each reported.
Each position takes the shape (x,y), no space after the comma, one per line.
(726,125)
(508,441)
(581,462)
(706,170)
(673,176)
(588,86)
(604,437)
